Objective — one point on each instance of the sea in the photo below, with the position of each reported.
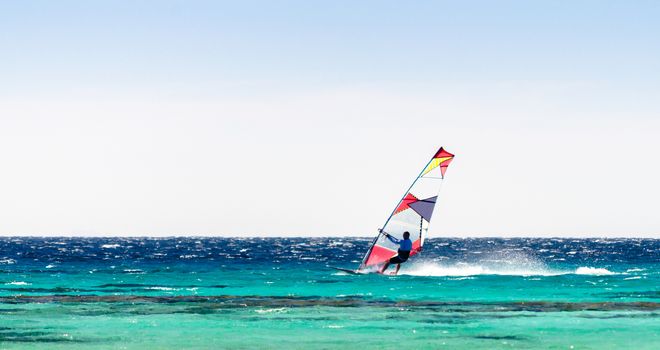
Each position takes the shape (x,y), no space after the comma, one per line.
(281,293)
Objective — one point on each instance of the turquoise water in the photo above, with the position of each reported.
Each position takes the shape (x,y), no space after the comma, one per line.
(209,293)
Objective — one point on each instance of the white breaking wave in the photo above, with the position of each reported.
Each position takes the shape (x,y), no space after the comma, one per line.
(633,278)
(593,271)
(266,311)
(110,246)
(635,270)
(17,283)
(161,288)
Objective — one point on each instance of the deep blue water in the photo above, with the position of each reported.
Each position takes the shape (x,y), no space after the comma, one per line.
(21,253)
(252,292)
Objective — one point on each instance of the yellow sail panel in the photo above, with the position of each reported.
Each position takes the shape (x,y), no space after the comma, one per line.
(435,163)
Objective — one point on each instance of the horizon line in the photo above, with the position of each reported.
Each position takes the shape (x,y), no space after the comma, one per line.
(298,236)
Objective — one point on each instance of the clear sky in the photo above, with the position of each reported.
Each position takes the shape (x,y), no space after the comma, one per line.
(311,118)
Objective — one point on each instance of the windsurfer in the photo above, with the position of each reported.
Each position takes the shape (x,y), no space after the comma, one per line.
(405,246)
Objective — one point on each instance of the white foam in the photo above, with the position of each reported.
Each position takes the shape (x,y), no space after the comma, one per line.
(161,288)
(509,263)
(17,283)
(110,246)
(586,270)
(7,261)
(635,270)
(518,266)
(266,311)
(432,269)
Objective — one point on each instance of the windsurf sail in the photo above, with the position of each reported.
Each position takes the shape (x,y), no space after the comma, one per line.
(412,213)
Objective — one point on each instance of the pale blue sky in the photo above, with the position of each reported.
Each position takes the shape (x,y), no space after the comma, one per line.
(317,43)
(312,117)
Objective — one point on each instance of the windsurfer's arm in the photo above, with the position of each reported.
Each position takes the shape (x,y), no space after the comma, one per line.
(394,240)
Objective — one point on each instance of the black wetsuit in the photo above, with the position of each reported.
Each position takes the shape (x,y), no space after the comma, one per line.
(402,256)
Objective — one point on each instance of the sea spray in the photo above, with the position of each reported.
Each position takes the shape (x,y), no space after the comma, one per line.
(510,263)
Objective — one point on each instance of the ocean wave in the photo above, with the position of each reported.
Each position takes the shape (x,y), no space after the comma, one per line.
(635,270)
(267,311)
(17,283)
(110,246)
(586,270)
(161,288)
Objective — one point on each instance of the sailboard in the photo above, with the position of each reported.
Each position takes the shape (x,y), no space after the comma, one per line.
(349,271)
(412,213)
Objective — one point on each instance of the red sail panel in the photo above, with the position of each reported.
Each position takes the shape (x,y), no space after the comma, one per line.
(417,247)
(405,203)
(442,154)
(448,158)
(379,255)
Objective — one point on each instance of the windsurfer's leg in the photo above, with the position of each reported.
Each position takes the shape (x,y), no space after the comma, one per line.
(398,266)
(382,269)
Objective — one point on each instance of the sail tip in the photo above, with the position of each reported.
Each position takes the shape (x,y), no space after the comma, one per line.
(443,158)
(441,153)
